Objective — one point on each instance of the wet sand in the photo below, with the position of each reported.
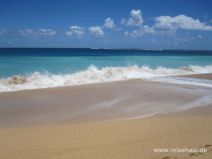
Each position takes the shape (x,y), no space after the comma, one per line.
(98,102)
(207,76)
(83,121)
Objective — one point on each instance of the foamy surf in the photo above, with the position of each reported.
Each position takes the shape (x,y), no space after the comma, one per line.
(106,74)
(182,80)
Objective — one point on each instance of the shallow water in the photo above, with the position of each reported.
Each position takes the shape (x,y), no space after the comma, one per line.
(42,68)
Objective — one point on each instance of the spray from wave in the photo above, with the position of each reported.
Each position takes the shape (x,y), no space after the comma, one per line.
(98,75)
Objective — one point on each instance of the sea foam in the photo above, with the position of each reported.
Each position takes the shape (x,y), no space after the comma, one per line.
(106,74)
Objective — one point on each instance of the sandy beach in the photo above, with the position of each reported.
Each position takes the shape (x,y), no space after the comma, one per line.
(106,79)
(109,120)
(207,76)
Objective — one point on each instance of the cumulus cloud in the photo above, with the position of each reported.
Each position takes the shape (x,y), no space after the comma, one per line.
(109,23)
(180,22)
(76,30)
(148,29)
(96,31)
(47,32)
(26,32)
(164,25)
(133,26)
(37,33)
(141,31)
(135,18)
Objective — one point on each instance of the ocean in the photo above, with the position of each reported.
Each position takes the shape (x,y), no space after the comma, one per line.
(42,68)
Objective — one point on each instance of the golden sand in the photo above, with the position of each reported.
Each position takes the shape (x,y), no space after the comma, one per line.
(124,139)
(33,123)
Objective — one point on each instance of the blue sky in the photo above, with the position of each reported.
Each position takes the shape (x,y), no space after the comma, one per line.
(149,24)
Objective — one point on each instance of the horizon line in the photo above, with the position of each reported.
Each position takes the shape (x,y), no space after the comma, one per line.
(141,49)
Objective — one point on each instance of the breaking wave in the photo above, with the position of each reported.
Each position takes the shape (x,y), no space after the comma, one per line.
(97,75)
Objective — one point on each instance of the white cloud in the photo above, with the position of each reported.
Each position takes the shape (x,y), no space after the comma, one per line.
(123,21)
(109,23)
(141,31)
(147,29)
(76,30)
(96,31)
(26,32)
(47,32)
(135,18)
(37,33)
(180,22)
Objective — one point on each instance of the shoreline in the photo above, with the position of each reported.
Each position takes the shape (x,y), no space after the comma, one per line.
(84,121)
(119,100)
(207,76)
(204,76)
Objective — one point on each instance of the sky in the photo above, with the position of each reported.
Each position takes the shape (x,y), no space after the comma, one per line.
(147,24)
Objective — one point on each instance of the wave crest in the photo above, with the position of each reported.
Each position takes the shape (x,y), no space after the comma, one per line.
(95,75)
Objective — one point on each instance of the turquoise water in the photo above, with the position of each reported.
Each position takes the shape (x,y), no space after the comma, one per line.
(42,68)
(22,64)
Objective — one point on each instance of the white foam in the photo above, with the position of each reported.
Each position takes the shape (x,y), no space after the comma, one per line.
(98,75)
(181,80)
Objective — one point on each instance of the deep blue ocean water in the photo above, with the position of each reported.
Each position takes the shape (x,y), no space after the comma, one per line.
(61,61)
